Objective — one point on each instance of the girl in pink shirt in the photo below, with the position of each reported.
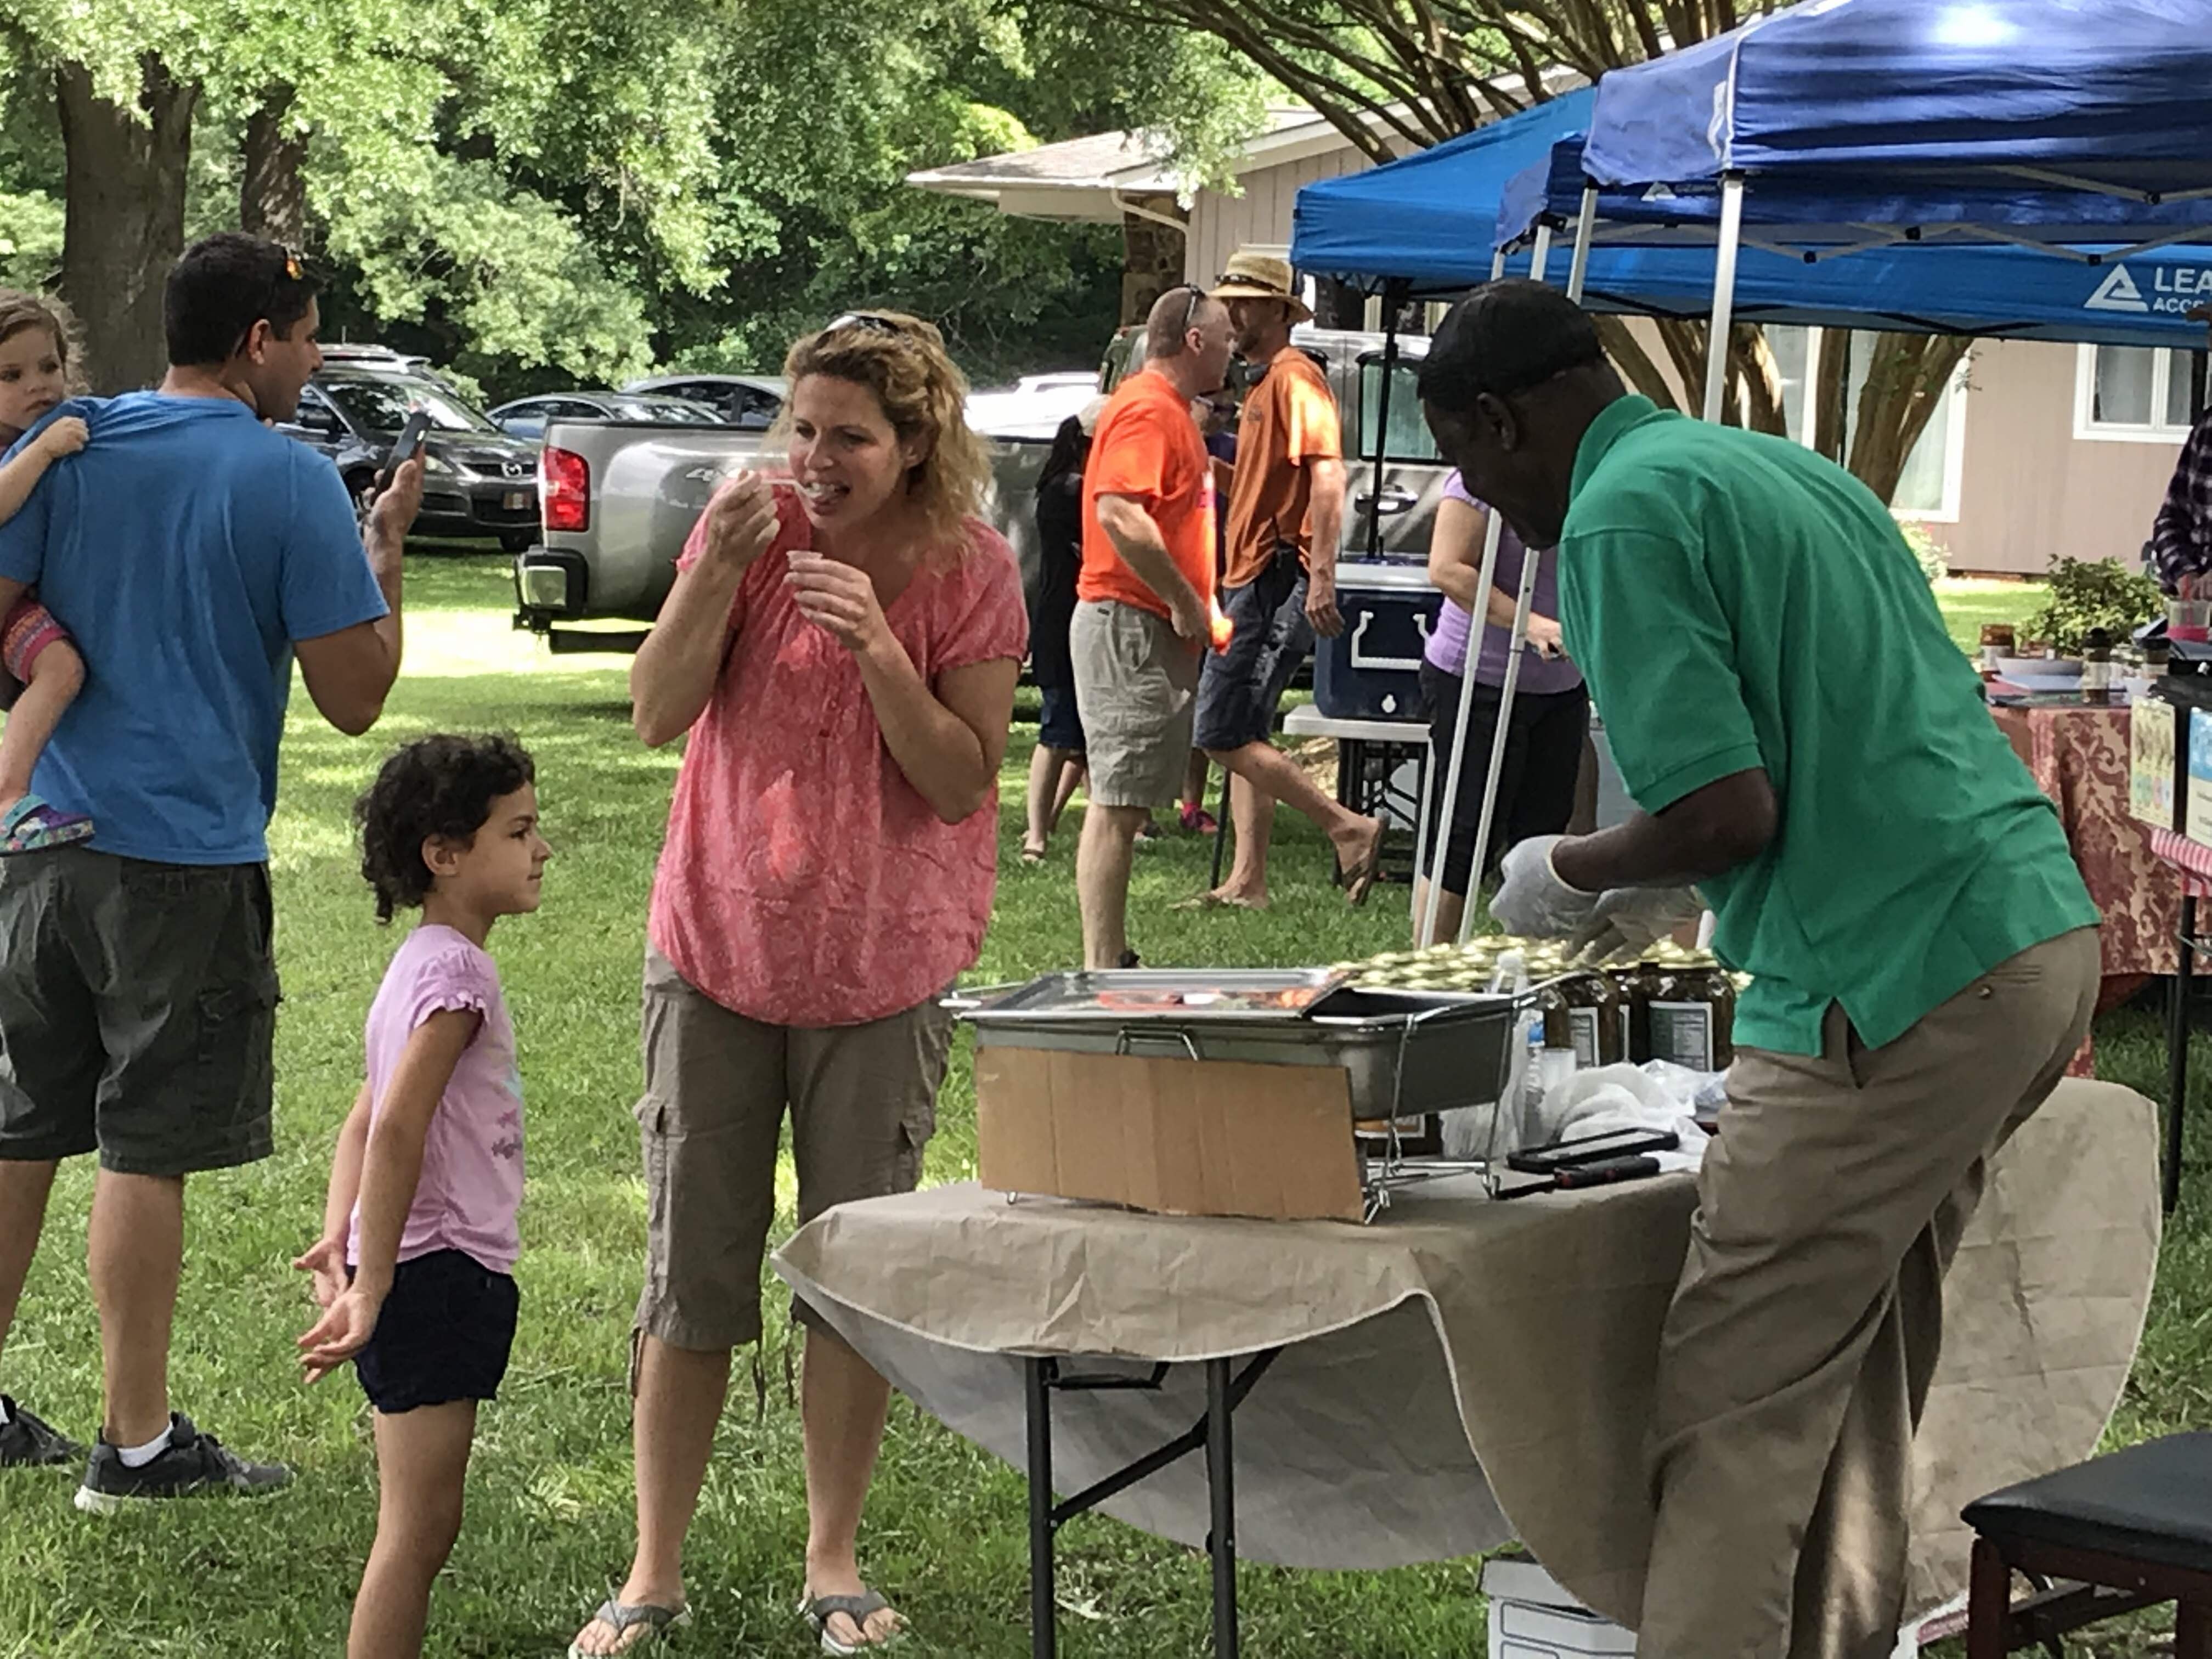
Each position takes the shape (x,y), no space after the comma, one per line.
(415,1267)
(843,649)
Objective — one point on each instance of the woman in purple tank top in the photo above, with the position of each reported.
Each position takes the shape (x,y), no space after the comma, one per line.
(1551,707)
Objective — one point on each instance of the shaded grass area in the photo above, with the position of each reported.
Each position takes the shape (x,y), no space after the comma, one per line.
(550,1525)
(1968,602)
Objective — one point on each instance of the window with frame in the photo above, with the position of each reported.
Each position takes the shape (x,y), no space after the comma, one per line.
(2138,394)
(1409,436)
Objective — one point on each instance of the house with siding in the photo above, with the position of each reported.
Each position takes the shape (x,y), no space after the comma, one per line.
(2037,451)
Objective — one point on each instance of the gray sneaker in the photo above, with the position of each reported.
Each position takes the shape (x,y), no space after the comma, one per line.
(193,1463)
(29,1442)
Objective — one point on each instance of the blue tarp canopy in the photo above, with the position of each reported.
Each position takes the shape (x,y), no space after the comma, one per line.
(1426,220)
(1999,293)
(1428,223)
(1793,214)
(2022,112)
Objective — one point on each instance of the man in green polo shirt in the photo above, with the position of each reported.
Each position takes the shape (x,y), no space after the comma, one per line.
(1809,749)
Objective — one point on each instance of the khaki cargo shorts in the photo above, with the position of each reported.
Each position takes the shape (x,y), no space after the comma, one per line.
(1136,682)
(863,1103)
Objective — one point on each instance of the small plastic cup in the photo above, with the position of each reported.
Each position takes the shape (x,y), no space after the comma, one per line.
(2188,619)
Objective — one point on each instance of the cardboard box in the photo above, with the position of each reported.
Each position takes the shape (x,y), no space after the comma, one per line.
(2197,812)
(1532,1616)
(1182,1137)
(2158,762)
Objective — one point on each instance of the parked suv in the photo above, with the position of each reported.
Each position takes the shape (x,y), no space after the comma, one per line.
(476,480)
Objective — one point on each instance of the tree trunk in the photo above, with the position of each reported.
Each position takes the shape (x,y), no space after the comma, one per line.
(272,197)
(1755,381)
(125,224)
(1905,378)
(1830,392)
(1629,357)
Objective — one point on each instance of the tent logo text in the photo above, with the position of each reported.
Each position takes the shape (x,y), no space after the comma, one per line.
(2174,290)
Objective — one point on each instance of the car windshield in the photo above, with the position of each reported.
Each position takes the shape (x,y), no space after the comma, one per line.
(668,412)
(383,405)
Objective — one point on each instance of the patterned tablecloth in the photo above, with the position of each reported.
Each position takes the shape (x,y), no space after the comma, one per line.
(2080,756)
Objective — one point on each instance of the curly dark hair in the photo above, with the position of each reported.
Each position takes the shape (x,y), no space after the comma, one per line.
(436,785)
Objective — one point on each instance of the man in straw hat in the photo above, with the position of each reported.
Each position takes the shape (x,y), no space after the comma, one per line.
(1285,514)
(2181,537)
(1808,747)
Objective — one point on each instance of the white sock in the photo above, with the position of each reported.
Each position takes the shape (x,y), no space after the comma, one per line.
(137,1458)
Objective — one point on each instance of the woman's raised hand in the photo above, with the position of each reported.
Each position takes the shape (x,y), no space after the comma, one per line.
(740,521)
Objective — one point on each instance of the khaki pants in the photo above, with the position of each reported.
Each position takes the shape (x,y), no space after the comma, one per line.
(1797,1352)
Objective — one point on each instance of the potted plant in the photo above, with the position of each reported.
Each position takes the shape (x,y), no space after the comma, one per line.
(2093,594)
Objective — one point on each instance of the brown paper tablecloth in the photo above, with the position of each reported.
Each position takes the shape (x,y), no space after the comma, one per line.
(1462,1360)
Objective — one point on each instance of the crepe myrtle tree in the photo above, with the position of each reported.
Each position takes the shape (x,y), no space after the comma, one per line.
(1395,74)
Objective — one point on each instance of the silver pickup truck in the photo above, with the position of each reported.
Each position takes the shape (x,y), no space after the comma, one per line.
(617,499)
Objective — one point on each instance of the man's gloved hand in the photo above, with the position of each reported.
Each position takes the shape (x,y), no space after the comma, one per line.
(1629,920)
(1532,901)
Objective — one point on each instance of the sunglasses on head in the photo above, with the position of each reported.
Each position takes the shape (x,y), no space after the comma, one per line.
(1190,310)
(867,321)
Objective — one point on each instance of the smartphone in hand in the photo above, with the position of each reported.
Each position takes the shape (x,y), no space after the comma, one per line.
(403,448)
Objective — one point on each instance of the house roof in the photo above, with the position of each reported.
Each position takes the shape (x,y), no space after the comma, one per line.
(1089,177)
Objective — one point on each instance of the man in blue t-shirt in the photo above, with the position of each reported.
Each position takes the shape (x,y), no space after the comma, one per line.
(192,553)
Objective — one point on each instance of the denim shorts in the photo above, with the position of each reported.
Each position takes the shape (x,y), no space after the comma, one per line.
(1241,686)
(1060,726)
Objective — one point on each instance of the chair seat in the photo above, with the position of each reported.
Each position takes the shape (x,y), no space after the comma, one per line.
(2151,1503)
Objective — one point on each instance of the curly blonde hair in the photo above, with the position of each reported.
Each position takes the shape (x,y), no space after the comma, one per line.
(21,312)
(924,395)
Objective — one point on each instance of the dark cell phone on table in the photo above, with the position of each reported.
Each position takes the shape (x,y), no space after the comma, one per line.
(1607,1172)
(1592,1149)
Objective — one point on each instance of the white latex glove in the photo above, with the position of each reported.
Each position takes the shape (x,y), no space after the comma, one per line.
(1629,920)
(1532,901)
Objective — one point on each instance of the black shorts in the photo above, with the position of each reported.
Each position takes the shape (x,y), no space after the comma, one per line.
(443,1336)
(1535,791)
(138,1011)
(1239,690)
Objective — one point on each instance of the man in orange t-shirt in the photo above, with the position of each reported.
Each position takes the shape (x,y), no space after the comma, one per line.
(1142,600)
(1285,514)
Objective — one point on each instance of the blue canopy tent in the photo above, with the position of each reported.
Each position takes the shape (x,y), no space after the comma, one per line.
(1424,224)
(2081,126)
(2081,97)
(1646,266)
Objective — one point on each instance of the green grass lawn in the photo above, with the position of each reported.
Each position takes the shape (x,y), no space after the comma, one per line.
(1968,603)
(550,1525)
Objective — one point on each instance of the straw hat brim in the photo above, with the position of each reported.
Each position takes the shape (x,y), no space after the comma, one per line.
(1236,288)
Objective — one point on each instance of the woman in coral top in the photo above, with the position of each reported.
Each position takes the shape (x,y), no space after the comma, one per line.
(843,649)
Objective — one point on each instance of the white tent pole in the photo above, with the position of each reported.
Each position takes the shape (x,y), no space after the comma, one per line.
(1717,339)
(1529,561)
(1477,619)
(1585,223)
(1541,256)
(1425,920)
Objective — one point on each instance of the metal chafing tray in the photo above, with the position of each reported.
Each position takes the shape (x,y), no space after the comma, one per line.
(1404,1053)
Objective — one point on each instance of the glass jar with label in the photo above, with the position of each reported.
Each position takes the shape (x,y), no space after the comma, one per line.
(1638,987)
(1691,1019)
(1587,1018)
